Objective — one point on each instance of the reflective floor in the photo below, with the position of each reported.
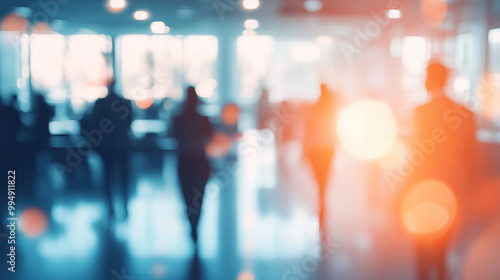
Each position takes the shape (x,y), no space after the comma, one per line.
(258,222)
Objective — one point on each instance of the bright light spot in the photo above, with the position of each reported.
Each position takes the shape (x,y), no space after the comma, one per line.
(206,89)
(249,32)
(251,4)
(428,207)
(394,13)
(460,85)
(313,5)
(426,217)
(144,103)
(245,275)
(434,11)
(219,146)
(33,222)
(414,54)
(230,114)
(367,129)
(159,27)
(324,40)
(251,24)
(116,5)
(494,36)
(141,15)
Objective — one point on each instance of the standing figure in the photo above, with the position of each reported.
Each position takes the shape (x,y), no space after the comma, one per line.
(446,131)
(193,132)
(109,132)
(319,145)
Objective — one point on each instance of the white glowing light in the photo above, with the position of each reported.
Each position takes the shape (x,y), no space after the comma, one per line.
(394,13)
(141,15)
(251,4)
(251,24)
(116,5)
(159,27)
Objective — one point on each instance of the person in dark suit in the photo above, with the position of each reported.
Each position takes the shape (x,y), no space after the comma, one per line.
(192,132)
(110,122)
(319,145)
(444,131)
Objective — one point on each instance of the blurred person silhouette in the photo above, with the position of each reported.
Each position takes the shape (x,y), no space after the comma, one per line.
(264,110)
(445,131)
(319,145)
(10,124)
(43,115)
(109,128)
(192,132)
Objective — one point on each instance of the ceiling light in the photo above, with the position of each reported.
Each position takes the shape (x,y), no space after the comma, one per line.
(116,5)
(141,15)
(251,24)
(251,4)
(159,27)
(394,13)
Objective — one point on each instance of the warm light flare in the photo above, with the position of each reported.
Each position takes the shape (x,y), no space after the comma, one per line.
(33,222)
(428,207)
(230,114)
(367,129)
(116,5)
(144,103)
(434,11)
(219,146)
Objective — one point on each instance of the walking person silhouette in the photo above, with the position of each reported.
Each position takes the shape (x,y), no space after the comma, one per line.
(192,132)
(319,146)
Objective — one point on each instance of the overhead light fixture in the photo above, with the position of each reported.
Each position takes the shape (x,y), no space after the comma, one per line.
(394,13)
(313,5)
(251,24)
(251,4)
(159,27)
(116,5)
(141,15)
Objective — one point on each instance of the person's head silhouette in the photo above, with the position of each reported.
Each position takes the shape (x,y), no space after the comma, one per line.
(437,77)
(192,100)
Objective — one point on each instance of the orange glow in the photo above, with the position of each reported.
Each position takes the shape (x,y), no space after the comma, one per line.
(426,217)
(219,146)
(15,23)
(434,11)
(486,200)
(245,275)
(230,114)
(144,103)
(33,222)
(367,129)
(428,207)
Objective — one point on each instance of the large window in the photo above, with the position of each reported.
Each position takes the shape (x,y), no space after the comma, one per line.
(160,66)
